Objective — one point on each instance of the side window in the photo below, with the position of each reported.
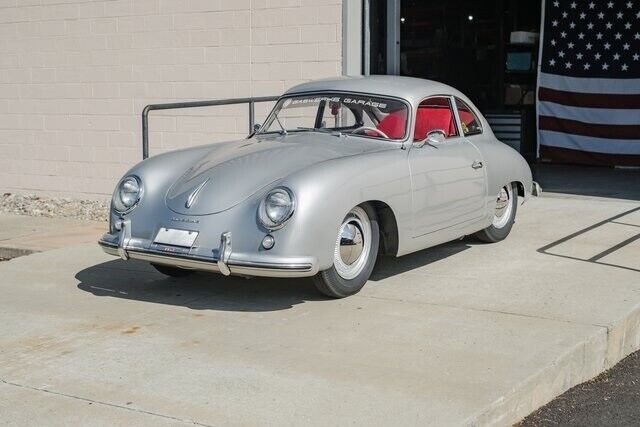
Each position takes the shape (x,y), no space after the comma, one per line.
(468,120)
(435,114)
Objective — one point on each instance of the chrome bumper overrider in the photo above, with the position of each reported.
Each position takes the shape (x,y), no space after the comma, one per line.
(224,263)
(536,189)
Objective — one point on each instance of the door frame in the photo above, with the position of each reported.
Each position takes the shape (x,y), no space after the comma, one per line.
(392,45)
(393,37)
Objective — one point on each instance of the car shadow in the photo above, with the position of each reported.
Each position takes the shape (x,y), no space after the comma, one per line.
(136,280)
(389,266)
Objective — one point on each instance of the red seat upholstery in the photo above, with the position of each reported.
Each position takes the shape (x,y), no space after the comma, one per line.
(432,118)
(394,124)
(466,117)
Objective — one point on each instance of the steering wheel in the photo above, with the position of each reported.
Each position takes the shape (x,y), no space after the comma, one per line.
(367,128)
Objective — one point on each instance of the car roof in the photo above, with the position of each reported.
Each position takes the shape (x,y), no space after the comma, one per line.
(412,89)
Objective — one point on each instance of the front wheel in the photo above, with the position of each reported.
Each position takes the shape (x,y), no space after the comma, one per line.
(504,215)
(354,255)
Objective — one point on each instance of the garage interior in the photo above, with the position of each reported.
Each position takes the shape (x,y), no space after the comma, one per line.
(488,50)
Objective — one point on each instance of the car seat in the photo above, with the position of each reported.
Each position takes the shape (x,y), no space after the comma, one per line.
(429,118)
(394,124)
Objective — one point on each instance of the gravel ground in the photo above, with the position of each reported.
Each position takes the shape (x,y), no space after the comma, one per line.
(29,204)
(610,399)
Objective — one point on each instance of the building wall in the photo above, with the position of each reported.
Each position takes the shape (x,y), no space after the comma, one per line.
(76,74)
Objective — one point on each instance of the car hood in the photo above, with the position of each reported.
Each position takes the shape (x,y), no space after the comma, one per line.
(233,171)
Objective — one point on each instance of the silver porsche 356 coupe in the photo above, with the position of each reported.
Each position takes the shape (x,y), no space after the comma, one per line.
(342,170)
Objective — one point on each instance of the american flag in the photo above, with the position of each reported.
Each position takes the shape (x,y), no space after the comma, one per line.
(589,82)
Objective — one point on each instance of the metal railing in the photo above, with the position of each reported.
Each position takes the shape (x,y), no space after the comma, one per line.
(196,104)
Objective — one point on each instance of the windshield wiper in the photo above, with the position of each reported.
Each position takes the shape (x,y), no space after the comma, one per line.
(283,131)
(322,130)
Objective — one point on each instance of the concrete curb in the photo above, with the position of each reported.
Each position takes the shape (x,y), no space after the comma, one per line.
(596,354)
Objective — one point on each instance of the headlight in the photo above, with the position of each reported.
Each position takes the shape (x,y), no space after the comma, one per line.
(128,194)
(276,208)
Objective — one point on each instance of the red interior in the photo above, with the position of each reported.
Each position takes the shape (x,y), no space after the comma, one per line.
(430,118)
(465,117)
(394,124)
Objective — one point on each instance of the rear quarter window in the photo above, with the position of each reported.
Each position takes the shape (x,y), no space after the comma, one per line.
(469,121)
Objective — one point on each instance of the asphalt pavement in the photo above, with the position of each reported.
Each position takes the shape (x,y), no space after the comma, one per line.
(610,399)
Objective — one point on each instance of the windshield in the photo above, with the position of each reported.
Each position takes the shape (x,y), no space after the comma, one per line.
(363,115)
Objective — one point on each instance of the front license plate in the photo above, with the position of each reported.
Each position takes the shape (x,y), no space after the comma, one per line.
(174,237)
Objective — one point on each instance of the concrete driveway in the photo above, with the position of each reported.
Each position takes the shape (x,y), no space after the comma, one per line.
(464,333)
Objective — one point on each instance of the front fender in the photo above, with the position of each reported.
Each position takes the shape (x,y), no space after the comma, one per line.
(324,192)
(157,173)
(328,191)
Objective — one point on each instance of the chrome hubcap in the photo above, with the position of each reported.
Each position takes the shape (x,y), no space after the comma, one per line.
(501,204)
(353,244)
(502,213)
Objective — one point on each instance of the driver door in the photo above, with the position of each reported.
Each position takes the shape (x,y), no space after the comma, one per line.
(447,178)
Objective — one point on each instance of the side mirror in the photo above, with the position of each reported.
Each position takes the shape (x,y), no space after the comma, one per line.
(255,129)
(434,138)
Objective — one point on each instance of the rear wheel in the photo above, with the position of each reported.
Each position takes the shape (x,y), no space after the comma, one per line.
(172,271)
(503,217)
(354,254)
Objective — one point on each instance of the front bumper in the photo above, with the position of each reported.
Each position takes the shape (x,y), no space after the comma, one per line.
(221,260)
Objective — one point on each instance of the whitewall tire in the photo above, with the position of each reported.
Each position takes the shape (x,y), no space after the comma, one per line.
(503,217)
(354,254)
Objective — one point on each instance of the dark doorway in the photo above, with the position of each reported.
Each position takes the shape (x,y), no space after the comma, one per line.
(378,34)
(455,42)
(465,43)
(472,46)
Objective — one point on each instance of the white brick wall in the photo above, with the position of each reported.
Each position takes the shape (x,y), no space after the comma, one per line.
(75,75)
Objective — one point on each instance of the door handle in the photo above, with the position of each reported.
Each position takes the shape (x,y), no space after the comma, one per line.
(477,164)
